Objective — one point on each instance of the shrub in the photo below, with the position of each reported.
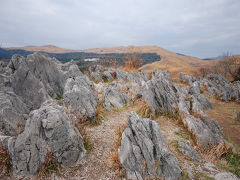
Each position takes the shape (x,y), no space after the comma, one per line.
(234,162)
(132,62)
(59,97)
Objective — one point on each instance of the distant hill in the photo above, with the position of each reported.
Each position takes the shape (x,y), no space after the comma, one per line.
(212,58)
(46,48)
(83,59)
(170,61)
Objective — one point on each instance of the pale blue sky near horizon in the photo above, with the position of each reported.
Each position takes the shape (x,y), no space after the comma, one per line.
(204,28)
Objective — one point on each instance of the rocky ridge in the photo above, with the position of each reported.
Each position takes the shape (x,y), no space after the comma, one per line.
(32,123)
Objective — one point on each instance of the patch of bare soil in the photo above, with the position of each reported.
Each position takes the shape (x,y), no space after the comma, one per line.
(226,114)
(102,139)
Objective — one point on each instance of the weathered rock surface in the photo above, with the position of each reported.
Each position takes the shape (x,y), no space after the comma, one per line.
(219,86)
(205,134)
(96,76)
(114,97)
(144,152)
(48,129)
(156,74)
(186,149)
(225,176)
(39,77)
(79,97)
(108,76)
(160,96)
(186,78)
(138,78)
(13,112)
(99,87)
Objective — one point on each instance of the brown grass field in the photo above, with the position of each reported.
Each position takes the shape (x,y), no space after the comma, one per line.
(170,61)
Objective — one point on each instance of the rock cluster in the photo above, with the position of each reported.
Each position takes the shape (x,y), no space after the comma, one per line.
(31,123)
(144,152)
(48,129)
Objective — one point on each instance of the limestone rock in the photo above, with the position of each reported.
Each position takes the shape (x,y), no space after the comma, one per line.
(48,129)
(108,76)
(39,77)
(161,74)
(96,76)
(186,78)
(113,97)
(79,97)
(160,96)
(138,78)
(186,149)
(225,176)
(219,86)
(205,135)
(99,87)
(144,152)
(13,112)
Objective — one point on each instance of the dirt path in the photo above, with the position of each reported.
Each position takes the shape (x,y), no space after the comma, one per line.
(98,164)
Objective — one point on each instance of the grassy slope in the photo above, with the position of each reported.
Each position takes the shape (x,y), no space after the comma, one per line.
(170,62)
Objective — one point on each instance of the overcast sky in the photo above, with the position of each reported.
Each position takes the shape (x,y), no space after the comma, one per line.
(202,28)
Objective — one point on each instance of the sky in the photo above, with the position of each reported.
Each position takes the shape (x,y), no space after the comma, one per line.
(203,28)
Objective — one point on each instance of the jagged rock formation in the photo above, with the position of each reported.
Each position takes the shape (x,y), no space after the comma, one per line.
(225,176)
(30,84)
(160,95)
(114,97)
(217,86)
(80,98)
(186,149)
(48,129)
(144,152)
(186,78)
(13,114)
(38,77)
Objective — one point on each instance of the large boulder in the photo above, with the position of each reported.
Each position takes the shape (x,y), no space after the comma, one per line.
(48,129)
(114,97)
(144,153)
(39,77)
(207,132)
(79,97)
(13,114)
(159,94)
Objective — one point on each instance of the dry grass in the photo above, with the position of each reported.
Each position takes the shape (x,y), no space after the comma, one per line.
(5,161)
(86,138)
(144,110)
(226,115)
(50,166)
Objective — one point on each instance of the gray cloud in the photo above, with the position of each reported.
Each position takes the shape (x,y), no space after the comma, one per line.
(199,28)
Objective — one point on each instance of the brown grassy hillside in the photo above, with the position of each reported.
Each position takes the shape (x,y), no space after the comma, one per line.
(170,61)
(46,48)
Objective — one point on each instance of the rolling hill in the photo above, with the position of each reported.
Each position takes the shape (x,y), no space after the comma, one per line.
(170,61)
